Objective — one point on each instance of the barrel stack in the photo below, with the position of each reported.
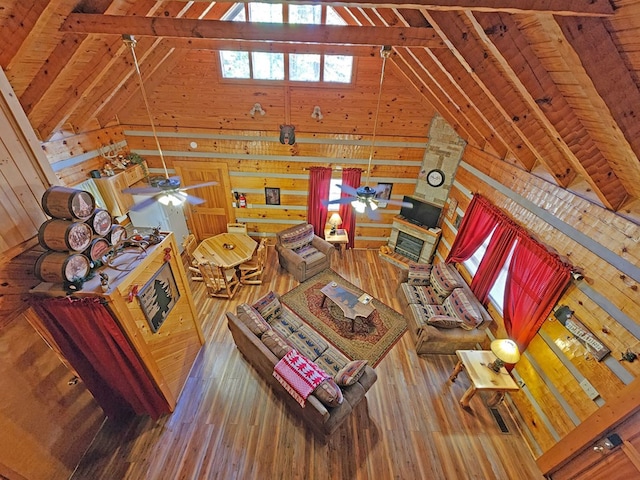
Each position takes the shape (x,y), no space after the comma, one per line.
(76,238)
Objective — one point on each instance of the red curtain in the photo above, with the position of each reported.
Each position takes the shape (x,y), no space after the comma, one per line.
(493,260)
(94,345)
(319,184)
(478,222)
(535,282)
(350,177)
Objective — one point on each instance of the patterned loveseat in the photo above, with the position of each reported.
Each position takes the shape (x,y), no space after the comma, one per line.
(442,313)
(301,252)
(267,330)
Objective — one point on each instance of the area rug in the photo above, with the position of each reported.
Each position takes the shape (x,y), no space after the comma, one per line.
(372,338)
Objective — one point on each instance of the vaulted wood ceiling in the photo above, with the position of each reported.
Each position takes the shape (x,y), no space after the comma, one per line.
(550,86)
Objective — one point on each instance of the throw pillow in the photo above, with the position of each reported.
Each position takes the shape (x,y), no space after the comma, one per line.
(274,342)
(350,373)
(459,305)
(329,393)
(445,321)
(443,280)
(298,238)
(252,319)
(269,306)
(419,274)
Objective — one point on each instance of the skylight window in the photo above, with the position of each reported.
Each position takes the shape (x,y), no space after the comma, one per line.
(297,67)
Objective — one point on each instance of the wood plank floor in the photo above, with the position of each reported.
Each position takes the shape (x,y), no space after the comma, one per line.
(229,425)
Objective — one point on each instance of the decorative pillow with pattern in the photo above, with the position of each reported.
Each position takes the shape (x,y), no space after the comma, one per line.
(444,321)
(424,312)
(329,393)
(443,281)
(459,305)
(298,238)
(269,306)
(276,343)
(419,274)
(252,319)
(350,373)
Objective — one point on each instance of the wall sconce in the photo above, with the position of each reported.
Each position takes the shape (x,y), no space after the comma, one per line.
(317,114)
(257,108)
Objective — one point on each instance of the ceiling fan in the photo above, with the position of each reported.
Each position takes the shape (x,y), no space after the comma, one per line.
(363,199)
(167,191)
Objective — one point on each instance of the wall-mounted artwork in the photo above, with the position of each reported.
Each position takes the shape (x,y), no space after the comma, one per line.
(158,297)
(383,193)
(272,196)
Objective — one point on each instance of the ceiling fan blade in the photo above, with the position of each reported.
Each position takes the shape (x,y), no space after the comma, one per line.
(142,190)
(199,185)
(398,202)
(348,190)
(193,200)
(338,201)
(143,204)
(372,214)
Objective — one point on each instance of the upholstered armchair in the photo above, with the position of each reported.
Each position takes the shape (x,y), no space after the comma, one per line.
(301,252)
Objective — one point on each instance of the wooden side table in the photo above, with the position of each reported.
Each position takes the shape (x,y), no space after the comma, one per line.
(475,362)
(338,239)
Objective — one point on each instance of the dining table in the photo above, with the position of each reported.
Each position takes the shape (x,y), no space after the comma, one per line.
(225,249)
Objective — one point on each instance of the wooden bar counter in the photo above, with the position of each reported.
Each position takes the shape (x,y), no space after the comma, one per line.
(169,353)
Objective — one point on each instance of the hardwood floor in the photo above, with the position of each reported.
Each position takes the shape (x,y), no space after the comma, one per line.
(229,425)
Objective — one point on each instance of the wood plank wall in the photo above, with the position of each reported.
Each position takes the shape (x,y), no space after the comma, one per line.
(605,246)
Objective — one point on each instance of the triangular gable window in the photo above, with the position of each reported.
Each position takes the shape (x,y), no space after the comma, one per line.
(285,66)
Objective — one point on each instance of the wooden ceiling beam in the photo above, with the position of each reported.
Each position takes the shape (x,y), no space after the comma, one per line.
(580,8)
(614,83)
(18,27)
(469,50)
(500,34)
(267,32)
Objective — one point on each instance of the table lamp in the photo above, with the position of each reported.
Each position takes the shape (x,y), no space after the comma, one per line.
(334,221)
(506,351)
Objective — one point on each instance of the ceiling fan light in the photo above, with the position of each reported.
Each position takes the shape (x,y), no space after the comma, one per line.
(373,205)
(174,199)
(358,205)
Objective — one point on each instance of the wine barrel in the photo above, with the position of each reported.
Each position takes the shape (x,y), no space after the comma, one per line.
(58,267)
(97,249)
(63,235)
(116,234)
(68,203)
(100,222)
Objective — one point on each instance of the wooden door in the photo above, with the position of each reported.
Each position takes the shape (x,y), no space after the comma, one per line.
(209,218)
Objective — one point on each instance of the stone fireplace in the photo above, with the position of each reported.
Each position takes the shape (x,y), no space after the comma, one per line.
(410,242)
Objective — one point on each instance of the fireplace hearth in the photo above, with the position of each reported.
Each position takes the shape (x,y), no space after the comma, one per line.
(409,246)
(411,243)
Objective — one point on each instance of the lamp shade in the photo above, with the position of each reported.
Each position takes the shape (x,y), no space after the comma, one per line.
(506,350)
(335,220)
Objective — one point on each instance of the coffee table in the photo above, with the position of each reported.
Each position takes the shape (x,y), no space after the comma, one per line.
(351,303)
(475,362)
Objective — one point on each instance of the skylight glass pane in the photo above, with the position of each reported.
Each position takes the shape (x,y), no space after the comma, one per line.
(235,13)
(265,12)
(268,66)
(307,14)
(333,18)
(304,67)
(338,68)
(234,64)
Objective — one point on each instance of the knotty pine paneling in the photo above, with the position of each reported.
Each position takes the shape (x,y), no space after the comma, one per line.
(546,419)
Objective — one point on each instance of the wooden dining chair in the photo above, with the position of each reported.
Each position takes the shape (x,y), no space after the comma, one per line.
(237,228)
(251,270)
(189,246)
(220,281)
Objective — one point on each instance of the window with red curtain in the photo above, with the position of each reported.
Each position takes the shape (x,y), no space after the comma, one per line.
(535,281)
(350,177)
(478,222)
(319,183)
(91,340)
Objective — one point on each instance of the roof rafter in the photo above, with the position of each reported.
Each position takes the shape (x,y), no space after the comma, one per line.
(581,8)
(266,32)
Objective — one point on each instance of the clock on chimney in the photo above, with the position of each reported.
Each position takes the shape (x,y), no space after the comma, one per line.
(435,177)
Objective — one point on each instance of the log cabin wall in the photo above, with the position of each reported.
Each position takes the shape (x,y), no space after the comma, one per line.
(603,245)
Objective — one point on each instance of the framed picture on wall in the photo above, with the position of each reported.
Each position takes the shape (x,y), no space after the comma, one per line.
(383,193)
(272,196)
(158,297)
